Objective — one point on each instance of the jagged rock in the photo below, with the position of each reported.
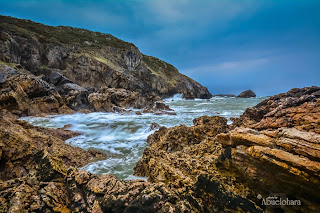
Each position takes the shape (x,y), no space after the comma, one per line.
(24,93)
(236,163)
(35,177)
(186,158)
(76,97)
(20,143)
(245,136)
(247,94)
(298,108)
(112,100)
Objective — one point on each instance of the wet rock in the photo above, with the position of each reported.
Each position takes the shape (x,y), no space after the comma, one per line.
(159,105)
(247,94)
(20,143)
(76,97)
(154,126)
(164,113)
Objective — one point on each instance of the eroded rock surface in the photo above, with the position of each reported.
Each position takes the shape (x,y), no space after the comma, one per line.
(23,94)
(298,108)
(273,148)
(21,144)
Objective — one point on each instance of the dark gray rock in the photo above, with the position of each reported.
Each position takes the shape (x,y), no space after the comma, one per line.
(3,77)
(154,126)
(70,86)
(247,94)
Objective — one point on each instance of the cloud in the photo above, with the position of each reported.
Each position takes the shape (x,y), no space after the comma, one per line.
(229,66)
(188,19)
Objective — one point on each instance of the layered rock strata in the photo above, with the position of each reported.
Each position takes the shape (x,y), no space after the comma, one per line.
(271,150)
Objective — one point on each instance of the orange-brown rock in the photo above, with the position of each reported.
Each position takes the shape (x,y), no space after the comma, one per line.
(298,108)
(25,94)
(273,148)
(112,100)
(188,158)
(21,142)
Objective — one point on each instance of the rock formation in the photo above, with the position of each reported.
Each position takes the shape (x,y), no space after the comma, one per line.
(89,59)
(272,149)
(23,93)
(247,94)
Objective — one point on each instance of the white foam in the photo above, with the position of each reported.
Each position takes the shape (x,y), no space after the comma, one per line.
(176,97)
(132,177)
(124,136)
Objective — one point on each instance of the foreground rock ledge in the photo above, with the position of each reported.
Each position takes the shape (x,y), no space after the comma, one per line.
(38,175)
(273,148)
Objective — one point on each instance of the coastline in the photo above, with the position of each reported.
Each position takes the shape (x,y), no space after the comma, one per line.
(212,157)
(266,160)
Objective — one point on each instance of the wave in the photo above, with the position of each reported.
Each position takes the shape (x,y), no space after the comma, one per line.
(176,97)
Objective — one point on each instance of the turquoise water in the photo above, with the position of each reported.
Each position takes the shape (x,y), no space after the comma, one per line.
(123,137)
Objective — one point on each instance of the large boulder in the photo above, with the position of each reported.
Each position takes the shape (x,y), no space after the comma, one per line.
(247,94)
(118,100)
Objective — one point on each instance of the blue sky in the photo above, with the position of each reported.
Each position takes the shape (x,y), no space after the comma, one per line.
(227,45)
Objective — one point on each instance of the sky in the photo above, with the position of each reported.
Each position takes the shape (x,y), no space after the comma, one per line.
(269,46)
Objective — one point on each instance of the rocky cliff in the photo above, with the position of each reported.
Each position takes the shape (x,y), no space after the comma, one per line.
(89,59)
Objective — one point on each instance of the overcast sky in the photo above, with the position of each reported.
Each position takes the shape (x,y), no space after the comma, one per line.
(226,45)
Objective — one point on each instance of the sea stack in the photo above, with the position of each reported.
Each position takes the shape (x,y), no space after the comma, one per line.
(247,94)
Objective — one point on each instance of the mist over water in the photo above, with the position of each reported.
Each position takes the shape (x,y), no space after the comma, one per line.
(123,137)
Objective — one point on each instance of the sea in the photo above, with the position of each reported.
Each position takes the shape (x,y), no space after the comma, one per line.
(123,137)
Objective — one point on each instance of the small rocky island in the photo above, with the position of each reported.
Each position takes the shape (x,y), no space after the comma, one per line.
(272,149)
(247,94)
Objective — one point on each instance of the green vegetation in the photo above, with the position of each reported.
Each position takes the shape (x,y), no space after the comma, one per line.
(13,65)
(97,46)
(158,66)
(60,35)
(161,68)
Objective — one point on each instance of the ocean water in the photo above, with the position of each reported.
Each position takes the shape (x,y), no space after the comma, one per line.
(123,137)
